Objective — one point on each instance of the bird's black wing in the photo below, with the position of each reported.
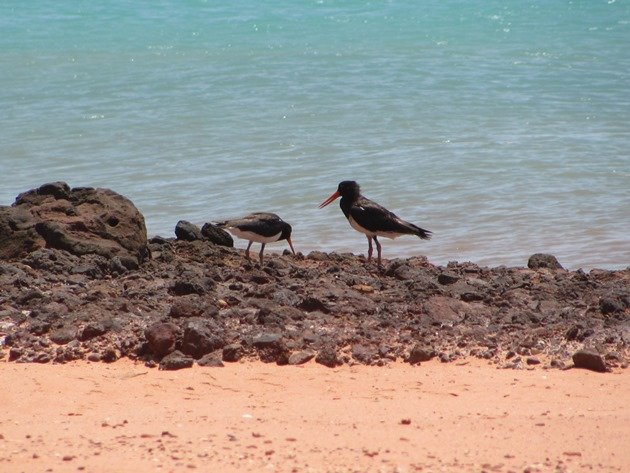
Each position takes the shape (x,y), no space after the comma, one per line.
(376,218)
(262,223)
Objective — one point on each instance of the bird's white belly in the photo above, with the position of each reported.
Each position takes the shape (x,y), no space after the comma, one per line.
(367,232)
(251,236)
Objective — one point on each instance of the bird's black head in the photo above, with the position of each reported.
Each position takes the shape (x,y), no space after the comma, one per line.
(286,235)
(286,231)
(349,189)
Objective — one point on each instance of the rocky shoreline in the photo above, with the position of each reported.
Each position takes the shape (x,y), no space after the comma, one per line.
(79,280)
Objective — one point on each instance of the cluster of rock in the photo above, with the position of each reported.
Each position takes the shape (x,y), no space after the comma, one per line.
(80,280)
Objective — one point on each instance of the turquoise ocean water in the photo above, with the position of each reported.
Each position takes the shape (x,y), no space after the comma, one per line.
(502,126)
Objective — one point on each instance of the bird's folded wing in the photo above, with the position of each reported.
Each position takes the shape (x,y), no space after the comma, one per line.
(375,218)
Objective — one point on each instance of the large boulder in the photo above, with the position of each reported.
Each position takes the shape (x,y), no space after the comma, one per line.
(81,221)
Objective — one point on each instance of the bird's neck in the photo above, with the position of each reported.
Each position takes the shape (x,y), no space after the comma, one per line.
(347,201)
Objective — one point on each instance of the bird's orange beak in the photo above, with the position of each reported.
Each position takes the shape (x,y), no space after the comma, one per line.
(329,200)
(291,244)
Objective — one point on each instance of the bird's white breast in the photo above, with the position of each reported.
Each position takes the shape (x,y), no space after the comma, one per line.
(251,236)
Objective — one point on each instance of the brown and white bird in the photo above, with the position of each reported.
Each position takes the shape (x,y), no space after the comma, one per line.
(370,218)
(259,227)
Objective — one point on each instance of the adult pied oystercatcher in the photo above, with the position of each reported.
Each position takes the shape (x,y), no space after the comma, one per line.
(260,227)
(370,218)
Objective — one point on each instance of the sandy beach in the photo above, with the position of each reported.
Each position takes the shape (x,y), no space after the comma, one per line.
(465,416)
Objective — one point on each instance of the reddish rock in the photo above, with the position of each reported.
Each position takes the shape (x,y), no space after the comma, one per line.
(440,309)
(81,221)
(162,338)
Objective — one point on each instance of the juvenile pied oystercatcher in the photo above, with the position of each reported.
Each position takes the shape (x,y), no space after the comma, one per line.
(260,227)
(370,218)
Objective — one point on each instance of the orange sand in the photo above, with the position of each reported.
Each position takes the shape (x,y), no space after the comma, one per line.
(249,416)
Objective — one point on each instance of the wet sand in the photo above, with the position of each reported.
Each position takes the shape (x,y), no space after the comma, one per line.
(252,416)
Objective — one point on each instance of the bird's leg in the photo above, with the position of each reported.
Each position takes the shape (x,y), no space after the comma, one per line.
(247,250)
(378,250)
(369,249)
(262,248)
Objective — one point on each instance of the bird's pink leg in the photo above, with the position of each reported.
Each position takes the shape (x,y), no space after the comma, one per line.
(262,248)
(378,250)
(247,250)
(369,249)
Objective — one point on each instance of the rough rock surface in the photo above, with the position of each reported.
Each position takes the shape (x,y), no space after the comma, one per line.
(543,260)
(81,221)
(589,359)
(185,230)
(196,301)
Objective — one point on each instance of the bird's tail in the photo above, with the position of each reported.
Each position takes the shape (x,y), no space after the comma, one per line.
(422,233)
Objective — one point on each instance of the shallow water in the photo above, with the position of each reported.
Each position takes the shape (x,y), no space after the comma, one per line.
(504,129)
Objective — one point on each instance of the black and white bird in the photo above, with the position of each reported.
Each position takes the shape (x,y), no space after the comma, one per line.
(259,227)
(370,218)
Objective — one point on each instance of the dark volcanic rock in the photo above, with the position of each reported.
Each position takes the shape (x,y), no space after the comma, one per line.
(91,330)
(80,220)
(212,360)
(542,260)
(191,285)
(187,231)
(611,305)
(401,270)
(589,359)
(232,352)
(54,261)
(110,355)
(364,354)
(200,338)
(39,327)
(266,340)
(271,348)
(573,332)
(328,357)
(217,235)
(176,361)
(63,335)
(312,303)
(448,277)
(419,354)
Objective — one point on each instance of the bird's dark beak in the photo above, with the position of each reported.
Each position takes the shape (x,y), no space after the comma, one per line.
(329,200)
(291,244)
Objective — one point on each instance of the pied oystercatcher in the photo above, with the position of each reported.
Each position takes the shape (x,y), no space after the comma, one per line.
(370,218)
(260,227)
